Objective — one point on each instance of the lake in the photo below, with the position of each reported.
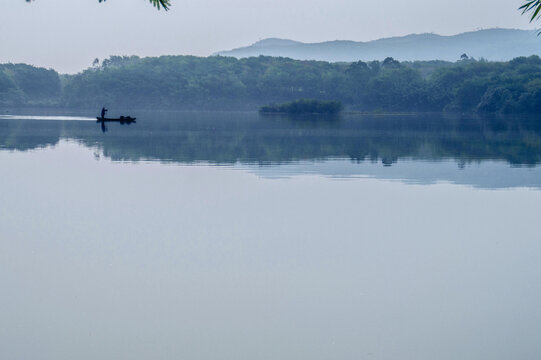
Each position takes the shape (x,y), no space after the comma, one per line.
(205,235)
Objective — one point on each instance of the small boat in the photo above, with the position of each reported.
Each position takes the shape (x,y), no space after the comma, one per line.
(122,119)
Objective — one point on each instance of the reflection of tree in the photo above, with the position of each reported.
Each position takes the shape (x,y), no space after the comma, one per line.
(230,137)
(25,135)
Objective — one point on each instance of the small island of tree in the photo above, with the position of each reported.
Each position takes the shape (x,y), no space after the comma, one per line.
(303,106)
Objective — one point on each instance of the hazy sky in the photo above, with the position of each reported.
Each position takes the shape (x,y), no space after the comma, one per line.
(68,34)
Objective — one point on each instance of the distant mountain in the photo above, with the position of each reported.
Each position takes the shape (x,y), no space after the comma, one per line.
(491,44)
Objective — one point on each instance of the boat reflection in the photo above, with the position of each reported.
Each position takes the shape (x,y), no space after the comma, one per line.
(121,120)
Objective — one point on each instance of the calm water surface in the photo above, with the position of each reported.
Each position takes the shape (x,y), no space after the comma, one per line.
(231,236)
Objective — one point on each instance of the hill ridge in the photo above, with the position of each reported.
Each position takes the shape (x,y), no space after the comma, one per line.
(492,44)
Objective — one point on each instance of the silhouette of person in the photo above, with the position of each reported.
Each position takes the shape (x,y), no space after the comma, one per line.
(103,111)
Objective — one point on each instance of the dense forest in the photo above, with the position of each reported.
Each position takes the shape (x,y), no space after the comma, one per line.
(27,85)
(188,82)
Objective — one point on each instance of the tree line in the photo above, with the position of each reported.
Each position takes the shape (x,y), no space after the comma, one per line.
(25,85)
(188,82)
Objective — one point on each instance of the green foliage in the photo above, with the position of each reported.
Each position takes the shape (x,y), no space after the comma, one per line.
(533,7)
(183,82)
(304,106)
(188,82)
(165,4)
(22,84)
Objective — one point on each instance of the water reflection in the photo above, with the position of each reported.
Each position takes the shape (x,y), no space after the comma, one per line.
(249,139)
(303,268)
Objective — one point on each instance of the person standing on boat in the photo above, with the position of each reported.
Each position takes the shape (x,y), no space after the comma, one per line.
(103,111)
